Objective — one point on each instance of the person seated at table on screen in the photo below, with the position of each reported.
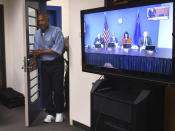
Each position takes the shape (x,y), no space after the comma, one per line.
(113,41)
(126,39)
(99,41)
(145,40)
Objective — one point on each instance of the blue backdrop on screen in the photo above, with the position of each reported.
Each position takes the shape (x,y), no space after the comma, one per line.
(120,21)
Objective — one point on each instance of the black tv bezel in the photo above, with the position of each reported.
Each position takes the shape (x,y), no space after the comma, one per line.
(121,72)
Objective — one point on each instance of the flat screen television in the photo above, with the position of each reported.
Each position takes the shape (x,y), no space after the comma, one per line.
(131,40)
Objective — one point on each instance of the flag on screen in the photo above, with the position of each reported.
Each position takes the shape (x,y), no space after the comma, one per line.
(137,33)
(106,33)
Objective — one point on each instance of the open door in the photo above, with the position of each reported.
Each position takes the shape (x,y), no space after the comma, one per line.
(32,92)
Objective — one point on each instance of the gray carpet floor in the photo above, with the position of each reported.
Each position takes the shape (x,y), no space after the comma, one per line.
(13,120)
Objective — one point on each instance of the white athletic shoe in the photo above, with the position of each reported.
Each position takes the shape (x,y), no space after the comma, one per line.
(49,119)
(59,117)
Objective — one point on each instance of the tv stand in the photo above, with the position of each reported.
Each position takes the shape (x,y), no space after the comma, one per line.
(123,105)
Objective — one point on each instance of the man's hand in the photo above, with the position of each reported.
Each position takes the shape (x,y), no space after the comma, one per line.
(32,65)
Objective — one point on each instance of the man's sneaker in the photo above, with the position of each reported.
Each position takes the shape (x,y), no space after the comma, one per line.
(59,117)
(49,119)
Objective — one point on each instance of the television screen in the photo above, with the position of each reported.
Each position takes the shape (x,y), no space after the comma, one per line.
(133,40)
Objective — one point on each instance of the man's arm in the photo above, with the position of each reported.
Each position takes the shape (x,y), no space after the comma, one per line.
(59,45)
(38,52)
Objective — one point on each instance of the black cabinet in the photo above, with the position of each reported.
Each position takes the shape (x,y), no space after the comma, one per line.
(119,105)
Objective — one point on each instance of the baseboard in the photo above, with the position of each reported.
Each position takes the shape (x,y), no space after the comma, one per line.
(80,125)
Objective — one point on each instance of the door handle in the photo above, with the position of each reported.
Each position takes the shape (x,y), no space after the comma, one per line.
(24,67)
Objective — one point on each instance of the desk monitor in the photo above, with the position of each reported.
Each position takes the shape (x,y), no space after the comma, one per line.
(134,21)
(150,47)
(98,46)
(127,46)
(111,45)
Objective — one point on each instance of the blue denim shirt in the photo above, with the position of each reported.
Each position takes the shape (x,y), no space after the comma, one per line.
(51,39)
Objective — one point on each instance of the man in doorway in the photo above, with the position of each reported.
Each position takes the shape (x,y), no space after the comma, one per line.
(49,48)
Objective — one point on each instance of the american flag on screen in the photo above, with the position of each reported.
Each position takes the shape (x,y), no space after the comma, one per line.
(106,33)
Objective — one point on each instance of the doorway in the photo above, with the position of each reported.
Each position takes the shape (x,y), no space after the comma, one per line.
(33,108)
(2,50)
(54,13)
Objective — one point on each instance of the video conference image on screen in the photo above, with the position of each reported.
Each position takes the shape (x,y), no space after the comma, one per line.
(136,39)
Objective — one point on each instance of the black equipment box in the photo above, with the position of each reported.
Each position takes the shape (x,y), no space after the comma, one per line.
(11,98)
(98,46)
(127,46)
(119,106)
(150,47)
(111,44)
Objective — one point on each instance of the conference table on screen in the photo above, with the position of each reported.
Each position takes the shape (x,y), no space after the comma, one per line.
(158,61)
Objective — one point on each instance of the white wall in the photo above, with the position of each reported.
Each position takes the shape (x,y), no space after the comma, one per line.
(1,1)
(14,41)
(65,13)
(80,82)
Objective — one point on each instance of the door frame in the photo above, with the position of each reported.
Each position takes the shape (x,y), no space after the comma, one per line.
(56,9)
(2,47)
